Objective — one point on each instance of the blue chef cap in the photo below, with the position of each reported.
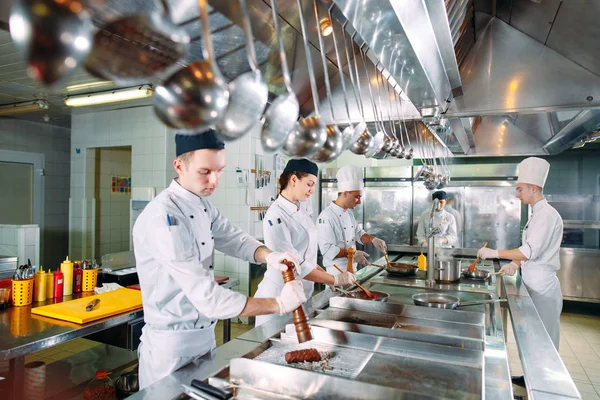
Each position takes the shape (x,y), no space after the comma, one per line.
(205,140)
(302,165)
(440,195)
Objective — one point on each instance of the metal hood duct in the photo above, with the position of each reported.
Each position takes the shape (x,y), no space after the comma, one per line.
(586,122)
(400,35)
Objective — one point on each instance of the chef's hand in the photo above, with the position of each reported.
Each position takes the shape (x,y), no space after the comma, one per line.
(361,257)
(509,269)
(292,296)
(423,244)
(484,253)
(274,260)
(344,279)
(380,244)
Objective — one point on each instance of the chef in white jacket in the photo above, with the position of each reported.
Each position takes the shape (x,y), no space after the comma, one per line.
(448,236)
(338,229)
(538,256)
(287,227)
(174,240)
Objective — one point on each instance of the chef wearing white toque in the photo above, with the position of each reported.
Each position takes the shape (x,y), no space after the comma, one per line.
(338,229)
(538,256)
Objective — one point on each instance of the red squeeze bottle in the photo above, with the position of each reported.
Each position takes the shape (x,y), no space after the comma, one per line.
(77,278)
(58,283)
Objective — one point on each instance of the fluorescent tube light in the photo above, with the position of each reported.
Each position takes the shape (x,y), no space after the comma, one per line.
(113,96)
(89,85)
(25,107)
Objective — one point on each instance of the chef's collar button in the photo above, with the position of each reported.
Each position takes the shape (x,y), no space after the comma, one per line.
(210,267)
(212,237)
(202,327)
(205,210)
(202,243)
(191,216)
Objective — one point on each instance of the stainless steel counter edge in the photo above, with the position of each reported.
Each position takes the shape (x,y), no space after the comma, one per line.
(546,376)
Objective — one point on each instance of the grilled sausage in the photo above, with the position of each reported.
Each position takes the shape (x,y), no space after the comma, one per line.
(297,356)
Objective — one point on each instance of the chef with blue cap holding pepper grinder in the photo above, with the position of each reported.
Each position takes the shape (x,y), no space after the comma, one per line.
(174,240)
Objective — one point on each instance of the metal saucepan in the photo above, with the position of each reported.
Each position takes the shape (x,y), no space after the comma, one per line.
(447,301)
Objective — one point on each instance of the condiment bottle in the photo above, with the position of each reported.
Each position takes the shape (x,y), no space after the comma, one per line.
(66,267)
(422,262)
(39,285)
(77,278)
(58,284)
(49,285)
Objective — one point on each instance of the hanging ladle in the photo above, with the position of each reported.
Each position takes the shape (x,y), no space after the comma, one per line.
(281,116)
(195,97)
(365,141)
(310,133)
(248,93)
(336,140)
(380,135)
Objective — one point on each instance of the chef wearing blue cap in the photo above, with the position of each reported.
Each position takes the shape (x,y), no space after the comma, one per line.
(442,219)
(287,227)
(174,240)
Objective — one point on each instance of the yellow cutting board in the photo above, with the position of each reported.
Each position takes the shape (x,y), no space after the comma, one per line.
(111,303)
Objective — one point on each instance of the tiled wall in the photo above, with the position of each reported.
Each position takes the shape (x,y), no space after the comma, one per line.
(112,208)
(22,241)
(54,143)
(152,153)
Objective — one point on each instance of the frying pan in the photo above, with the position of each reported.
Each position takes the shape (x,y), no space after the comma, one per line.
(477,274)
(447,301)
(399,268)
(359,294)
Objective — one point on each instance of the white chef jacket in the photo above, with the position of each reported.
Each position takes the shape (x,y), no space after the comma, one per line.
(287,227)
(174,262)
(459,223)
(442,219)
(337,230)
(542,237)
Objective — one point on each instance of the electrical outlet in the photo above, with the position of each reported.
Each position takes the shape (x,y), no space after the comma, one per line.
(241,176)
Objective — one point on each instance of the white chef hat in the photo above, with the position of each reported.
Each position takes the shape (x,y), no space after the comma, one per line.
(533,170)
(350,178)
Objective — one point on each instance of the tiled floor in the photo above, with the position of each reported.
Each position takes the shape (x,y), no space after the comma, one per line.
(579,349)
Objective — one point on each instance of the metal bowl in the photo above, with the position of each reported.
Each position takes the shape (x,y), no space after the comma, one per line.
(127,384)
(359,294)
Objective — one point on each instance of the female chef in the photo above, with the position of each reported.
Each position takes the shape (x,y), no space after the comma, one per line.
(288,228)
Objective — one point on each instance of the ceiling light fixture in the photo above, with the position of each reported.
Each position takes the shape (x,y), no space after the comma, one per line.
(89,85)
(326,27)
(113,96)
(25,107)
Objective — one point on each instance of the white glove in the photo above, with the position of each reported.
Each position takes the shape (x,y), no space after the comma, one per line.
(344,279)
(361,257)
(274,260)
(423,244)
(484,253)
(292,296)
(509,269)
(380,244)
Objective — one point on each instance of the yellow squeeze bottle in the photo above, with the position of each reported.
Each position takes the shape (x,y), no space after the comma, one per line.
(422,262)
(66,267)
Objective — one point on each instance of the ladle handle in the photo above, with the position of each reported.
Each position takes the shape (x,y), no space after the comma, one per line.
(298,315)
(311,72)
(284,65)
(357,77)
(207,49)
(339,63)
(324,62)
(249,36)
(351,73)
(363,57)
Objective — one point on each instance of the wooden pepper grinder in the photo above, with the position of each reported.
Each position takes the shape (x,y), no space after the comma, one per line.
(299,316)
(350,267)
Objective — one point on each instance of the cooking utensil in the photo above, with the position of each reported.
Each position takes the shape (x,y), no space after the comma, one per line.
(477,274)
(446,301)
(248,93)
(447,270)
(387,260)
(399,268)
(55,36)
(127,385)
(298,315)
(375,295)
(474,263)
(92,304)
(367,291)
(365,141)
(310,133)
(378,138)
(134,48)
(195,97)
(281,116)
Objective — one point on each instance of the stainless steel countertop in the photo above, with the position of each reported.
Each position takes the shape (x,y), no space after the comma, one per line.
(22,333)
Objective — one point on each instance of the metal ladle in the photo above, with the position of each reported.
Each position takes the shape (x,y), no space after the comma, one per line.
(281,116)
(365,141)
(310,133)
(195,97)
(134,48)
(391,141)
(54,36)
(336,141)
(248,93)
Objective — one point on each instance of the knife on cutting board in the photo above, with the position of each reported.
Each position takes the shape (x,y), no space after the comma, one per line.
(92,304)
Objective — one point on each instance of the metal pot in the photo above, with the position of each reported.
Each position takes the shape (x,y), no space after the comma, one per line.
(447,270)
(447,301)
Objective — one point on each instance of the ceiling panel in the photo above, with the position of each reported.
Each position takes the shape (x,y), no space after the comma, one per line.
(576,31)
(533,18)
